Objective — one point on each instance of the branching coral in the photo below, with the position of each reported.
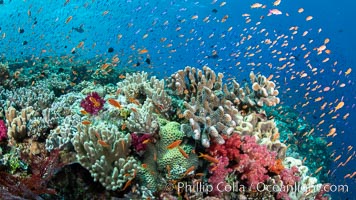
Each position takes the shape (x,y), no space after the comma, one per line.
(61,136)
(138,86)
(143,120)
(17,122)
(211,108)
(262,92)
(104,151)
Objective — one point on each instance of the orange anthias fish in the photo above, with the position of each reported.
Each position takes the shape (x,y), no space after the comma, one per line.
(103,143)
(209,158)
(190,169)
(339,105)
(183,152)
(83,112)
(143,51)
(174,144)
(69,19)
(95,102)
(114,103)
(86,122)
(274,12)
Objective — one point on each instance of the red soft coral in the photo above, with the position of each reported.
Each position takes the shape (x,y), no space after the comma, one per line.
(230,149)
(251,159)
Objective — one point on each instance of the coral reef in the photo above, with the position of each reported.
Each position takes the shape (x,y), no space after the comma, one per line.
(37,97)
(142,137)
(4,74)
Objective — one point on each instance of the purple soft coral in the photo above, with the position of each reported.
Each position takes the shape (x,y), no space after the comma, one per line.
(93,103)
(3,131)
(139,142)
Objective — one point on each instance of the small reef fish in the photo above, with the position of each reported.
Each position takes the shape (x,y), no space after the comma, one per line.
(348,71)
(127,184)
(143,51)
(208,158)
(174,144)
(123,126)
(95,102)
(309,18)
(86,122)
(146,141)
(114,103)
(103,143)
(69,19)
(183,152)
(256,5)
(337,158)
(79,29)
(318,170)
(83,112)
(339,105)
(190,169)
(274,12)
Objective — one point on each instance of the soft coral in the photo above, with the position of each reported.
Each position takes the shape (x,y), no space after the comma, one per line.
(43,168)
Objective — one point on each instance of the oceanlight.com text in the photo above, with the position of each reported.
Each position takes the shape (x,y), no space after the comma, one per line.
(260,187)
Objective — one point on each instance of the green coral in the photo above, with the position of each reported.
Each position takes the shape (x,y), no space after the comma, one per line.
(173,158)
(170,163)
(176,162)
(169,133)
(148,177)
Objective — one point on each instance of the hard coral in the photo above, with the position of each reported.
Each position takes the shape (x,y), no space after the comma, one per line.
(93,103)
(3,131)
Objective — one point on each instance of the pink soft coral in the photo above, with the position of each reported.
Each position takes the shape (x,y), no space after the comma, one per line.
(3,131)
(249,158)
(289,176)
(255,161)
(219,172)
(93,103)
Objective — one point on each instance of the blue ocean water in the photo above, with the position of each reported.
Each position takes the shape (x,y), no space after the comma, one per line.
(230,38)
